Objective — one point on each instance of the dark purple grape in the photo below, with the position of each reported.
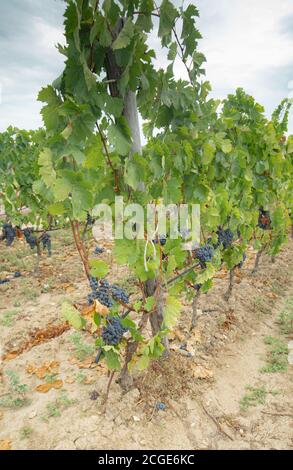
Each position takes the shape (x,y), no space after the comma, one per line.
(205,254)
(113,332)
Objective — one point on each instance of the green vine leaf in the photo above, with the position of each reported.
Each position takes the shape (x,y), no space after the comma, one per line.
(72,315)
(172,311)
(125,36)
(99,268)
(119,137)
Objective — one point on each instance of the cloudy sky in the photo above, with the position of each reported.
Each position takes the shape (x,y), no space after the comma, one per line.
(247,43)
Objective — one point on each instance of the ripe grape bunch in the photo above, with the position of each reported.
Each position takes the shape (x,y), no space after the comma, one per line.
(101,292)
(89,220)
(113,332)
(9,234)
(105,293)
(264,219)
(30,239)
(99,251)
(47,243)
(205,254)
(225,238)
(119,294)
(162,240)
(197,287)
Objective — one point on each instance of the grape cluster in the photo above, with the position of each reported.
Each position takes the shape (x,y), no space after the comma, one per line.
(89,219)
(100,291)
(30,239)
(119,294)
(205,254)
(47,243)
(113,332)
(99,251)
(225,238)
(17,274)
(264,220)
(105,293)
(197,287)
(162,240)
(4,281)
(240,265)
(9,234)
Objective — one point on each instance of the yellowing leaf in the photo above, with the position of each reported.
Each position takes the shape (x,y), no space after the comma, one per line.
(58,384)
(171,312)
(142,363)
(101,309)
(73,317)
(43,388)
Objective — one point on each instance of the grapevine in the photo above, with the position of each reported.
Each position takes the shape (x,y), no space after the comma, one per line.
(227,157)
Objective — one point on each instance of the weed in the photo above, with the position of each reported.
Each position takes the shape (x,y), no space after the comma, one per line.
(254,397)
(14,382)
(80,377)
(261,306)
(8,318)
(286,317)
(15,398)
(55,408)
(50,284)
(82,349)
(51,378)
(277,355)
(25,432)
(53,411)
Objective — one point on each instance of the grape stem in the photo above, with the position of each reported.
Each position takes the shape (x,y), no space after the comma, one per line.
(257,259)
(108,389)
(80,246)
(186,271)
(194,310)
(231,284)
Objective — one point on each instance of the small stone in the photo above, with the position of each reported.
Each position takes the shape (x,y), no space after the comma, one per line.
(161,406)
(81,443)
(290,358)
(33,414)
(136,419)
(65,445)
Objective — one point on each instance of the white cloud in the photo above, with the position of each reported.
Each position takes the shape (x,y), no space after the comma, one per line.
(245,46)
